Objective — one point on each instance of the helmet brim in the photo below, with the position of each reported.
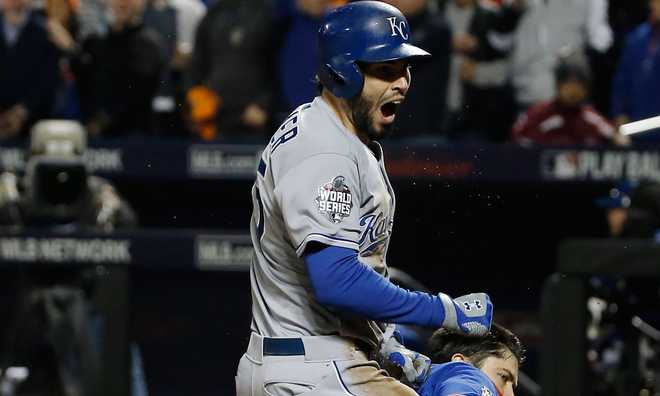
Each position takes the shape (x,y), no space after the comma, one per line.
(386,53)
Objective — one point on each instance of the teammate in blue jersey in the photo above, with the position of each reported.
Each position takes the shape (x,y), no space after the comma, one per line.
(473,366)
(321,226)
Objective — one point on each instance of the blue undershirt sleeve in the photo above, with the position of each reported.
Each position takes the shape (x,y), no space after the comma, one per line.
(341,281)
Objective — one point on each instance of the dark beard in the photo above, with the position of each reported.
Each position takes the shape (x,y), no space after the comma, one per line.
(360,114)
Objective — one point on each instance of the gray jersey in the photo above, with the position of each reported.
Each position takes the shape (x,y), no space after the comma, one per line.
(316,182)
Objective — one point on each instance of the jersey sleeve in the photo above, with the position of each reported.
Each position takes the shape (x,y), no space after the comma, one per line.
(319,199)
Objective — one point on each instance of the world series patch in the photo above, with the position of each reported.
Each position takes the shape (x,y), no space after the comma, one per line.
(334,199)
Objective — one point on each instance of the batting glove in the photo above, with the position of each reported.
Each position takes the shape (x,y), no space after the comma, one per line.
(414,365)
(471,314)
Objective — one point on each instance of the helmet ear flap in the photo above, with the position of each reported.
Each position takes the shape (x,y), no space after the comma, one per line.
(342,77)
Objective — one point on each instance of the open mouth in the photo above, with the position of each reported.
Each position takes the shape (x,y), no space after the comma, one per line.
(388,110)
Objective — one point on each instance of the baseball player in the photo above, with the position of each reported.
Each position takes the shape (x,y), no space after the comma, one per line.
(473,366)
(321,225)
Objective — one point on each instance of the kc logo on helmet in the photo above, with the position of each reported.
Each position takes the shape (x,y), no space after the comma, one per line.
(399,28)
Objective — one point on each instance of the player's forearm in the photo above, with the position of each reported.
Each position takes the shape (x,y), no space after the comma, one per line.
(342,282)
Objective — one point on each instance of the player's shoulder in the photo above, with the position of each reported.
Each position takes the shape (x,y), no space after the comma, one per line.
(308,131)
(457,378)
(321,131)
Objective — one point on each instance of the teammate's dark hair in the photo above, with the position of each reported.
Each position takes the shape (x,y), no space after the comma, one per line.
(444,343)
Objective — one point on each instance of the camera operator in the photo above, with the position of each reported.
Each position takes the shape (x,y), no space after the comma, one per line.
(58,330)
(56,189)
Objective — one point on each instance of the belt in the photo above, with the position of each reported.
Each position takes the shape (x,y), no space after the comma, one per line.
(313,348)
(283,346)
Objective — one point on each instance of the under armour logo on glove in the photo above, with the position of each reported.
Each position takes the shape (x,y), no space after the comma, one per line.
(470,314)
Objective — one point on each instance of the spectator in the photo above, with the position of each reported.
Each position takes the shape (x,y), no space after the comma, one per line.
(62,25)
(93,19)
(624,15)
(637,80)
(549,30)
(480,97)
(231,63)
(616,205)
(28,68)
(567,119)
(60,331)
(189,14)
(297,56)
(425,106)
(176,22)
(43,197)
(120,72)
(633,210)
(643,219)
(161,17)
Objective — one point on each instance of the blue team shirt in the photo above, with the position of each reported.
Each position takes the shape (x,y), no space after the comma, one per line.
(457,378)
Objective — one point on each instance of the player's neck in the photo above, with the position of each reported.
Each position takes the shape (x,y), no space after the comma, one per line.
(343,111)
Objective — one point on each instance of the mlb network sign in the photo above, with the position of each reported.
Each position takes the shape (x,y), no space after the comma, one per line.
(65,250)
(594,165)
(103,160)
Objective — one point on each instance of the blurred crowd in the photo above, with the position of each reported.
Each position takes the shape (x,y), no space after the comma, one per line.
(544,72)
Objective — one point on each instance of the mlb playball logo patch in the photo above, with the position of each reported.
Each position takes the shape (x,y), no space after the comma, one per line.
(334,199)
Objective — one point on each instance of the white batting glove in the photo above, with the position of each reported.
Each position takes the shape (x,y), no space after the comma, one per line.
(471,314)
(414,365)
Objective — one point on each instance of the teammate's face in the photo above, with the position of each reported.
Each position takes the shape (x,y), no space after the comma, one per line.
(503,371)
(385,87)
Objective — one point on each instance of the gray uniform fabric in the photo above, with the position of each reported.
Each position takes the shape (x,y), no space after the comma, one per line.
(317,182)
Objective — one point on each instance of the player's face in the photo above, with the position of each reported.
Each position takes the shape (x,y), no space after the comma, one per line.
(385,87)
(502,371)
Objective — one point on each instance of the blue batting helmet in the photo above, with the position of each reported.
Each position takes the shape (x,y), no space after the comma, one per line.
(363,31)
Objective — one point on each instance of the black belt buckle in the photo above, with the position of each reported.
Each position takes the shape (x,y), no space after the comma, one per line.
(283,346)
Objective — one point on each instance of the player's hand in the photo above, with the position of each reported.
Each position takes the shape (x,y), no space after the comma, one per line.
(471,314)
(414,365)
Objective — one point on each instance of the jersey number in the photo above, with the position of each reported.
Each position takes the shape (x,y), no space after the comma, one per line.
(290,128)
(260,222)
